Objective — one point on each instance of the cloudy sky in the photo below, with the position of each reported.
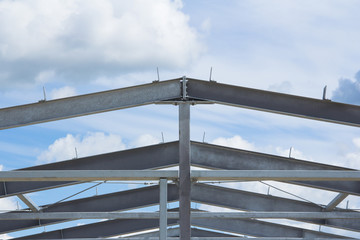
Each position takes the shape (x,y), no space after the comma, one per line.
(72,47)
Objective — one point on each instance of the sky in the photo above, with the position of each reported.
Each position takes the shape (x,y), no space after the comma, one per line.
(73,47)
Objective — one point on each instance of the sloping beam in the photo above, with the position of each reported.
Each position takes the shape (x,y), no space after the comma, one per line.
(218,157)
(250,201)
(118,201)
(117,227)
(100,229)
(259,228)
(316,109)
(162,155)
(45,111)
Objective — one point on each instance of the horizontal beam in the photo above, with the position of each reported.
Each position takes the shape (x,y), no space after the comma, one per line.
(100,229)
(87,175)
(166,154)
(208,238)
(45,111)
(275,175)
(175,215)
(196,175)
(316,109)
(250,201)
(118,201)
(218,157)
(259,228)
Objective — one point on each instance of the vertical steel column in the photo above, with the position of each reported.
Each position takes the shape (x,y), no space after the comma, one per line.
(163,209)
(184,170)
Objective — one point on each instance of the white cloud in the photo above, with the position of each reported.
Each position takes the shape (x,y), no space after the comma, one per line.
(62,92)
(91,38)
(145,140)
(90,144)
(1,167)
(356,142)
(44,76)
(295,153)
(7,204)
(5,236)
(234,142)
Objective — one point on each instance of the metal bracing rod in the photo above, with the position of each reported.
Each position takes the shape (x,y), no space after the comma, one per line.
(175,215)
(88,104)
(163,209)
(275,102)
(27,200)
(184,168)
(133,159)
(336,201)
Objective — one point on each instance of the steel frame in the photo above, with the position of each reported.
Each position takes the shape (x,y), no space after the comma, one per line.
(228,164)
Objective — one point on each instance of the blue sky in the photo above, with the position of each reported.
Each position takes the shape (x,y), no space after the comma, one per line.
(77,47)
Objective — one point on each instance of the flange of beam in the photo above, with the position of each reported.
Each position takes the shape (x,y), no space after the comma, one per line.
(323,110)
(45,111)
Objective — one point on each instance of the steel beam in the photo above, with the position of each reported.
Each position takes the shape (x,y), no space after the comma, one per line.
(258,228)
(175,215)
(218,157)
(45,111)
(336,201)
(174,233)
(210,238)
(25,199)
(184,169)
(196,175)
(87,175)
(250,201)
(297,106)
(166,154)
(117,227)
(163,209)
(275,175)
(100,229)
(119,201)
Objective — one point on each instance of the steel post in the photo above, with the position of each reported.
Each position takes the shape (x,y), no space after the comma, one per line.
(184,170)
(163,209)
